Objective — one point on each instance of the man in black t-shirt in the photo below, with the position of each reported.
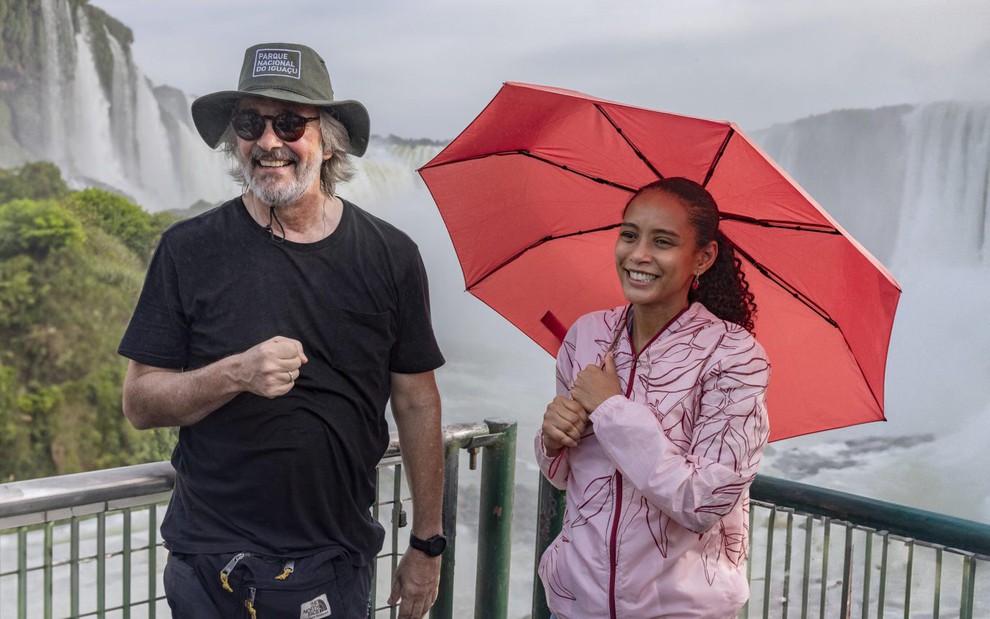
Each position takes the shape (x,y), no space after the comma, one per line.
(273,330)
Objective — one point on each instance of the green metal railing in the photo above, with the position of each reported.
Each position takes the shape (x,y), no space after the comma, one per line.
(821,553)
(54,554)
(87,545)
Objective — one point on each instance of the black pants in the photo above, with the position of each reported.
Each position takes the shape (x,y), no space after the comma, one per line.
(245,586)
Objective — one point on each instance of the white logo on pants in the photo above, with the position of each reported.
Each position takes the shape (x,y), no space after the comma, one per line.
(315,609)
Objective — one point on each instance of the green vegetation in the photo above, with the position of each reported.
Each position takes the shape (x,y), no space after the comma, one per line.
(35,181)
(71,268)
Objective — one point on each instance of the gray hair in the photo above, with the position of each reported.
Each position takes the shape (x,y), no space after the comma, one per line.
(335,139)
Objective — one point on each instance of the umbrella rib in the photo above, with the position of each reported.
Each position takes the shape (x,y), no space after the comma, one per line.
(815,308)
(777,223)
(777,279)
(718,157)
(526,153)
(565,168)
(534,245)
(622,134)
(429,165)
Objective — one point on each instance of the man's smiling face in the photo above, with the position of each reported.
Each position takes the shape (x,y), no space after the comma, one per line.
(279,173)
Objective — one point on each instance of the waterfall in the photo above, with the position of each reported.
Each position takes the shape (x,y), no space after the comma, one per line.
(60,47)
(387,170)
(124,135)
(86,110)
(122,109)
(139,140)
(191,157)
(149,130)
(910,183)
(946,187)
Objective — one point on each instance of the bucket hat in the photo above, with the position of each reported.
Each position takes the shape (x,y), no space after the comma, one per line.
(284,72)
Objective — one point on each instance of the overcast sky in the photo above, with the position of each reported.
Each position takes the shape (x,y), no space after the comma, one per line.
(425,68)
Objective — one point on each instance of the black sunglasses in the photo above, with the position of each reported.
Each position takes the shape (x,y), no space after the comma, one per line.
(288,126)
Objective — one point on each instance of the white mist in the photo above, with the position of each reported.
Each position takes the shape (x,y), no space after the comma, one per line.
(910,183)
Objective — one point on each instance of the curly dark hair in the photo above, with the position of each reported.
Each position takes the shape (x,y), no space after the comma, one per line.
(722,288)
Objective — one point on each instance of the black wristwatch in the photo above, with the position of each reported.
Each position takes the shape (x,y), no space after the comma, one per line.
(433,547)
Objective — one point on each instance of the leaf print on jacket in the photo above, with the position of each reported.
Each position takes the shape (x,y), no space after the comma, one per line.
(671,463)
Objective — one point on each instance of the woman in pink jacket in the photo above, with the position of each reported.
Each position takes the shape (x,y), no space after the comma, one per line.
(658,425)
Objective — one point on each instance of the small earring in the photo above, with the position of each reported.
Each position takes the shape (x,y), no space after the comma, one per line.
(694,284)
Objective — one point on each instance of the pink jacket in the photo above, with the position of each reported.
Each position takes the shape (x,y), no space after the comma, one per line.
(658,488)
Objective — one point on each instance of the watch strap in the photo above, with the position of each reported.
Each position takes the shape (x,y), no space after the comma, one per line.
(434,546)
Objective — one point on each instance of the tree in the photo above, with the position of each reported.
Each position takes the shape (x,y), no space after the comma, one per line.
(71,270)
(37,228)
(118,217)
(41,180)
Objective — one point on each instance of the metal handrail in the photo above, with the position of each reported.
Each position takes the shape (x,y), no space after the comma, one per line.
(37,496)
(859,518)
(24,505)
(917,524)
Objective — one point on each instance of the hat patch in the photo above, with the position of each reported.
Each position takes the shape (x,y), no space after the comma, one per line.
(277,63)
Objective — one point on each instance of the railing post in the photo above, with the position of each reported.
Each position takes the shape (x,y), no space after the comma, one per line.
(768,567)
(49,563)
(549,520)
(826,541)
(152,561)
(74,566)
(495,523)
(845,607)
(444,606)
(126,573)
(788,545)
(968,588)
(22,573)
(101,565)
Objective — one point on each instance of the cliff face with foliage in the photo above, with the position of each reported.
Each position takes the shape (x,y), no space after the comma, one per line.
(71,267)
(21,51)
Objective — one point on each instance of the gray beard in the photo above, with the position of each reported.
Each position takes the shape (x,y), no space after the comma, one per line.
(277,194)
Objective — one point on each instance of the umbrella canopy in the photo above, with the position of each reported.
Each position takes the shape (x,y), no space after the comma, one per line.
(532,193)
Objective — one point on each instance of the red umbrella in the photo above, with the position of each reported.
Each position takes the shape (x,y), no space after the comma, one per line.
(532,191)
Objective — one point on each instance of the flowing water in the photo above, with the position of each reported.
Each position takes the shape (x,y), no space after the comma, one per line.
(910,183)
(930,452)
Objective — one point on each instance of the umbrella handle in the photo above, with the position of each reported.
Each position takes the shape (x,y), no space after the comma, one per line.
(554,326)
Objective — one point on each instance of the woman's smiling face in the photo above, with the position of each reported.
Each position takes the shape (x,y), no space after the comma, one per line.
(656,254)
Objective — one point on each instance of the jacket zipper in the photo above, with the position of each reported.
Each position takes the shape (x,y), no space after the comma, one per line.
(613,550)
(613,553)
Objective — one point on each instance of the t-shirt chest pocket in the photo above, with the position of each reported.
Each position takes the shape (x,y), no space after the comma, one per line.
(358,340)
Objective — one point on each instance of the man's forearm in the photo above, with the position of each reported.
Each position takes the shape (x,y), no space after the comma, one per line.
(157,397)
(424,466)
(416,409)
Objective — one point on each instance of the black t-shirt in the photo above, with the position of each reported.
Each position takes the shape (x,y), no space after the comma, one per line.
(292,475)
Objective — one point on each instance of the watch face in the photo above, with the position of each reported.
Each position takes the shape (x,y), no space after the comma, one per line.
(437,545)
(433,546)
